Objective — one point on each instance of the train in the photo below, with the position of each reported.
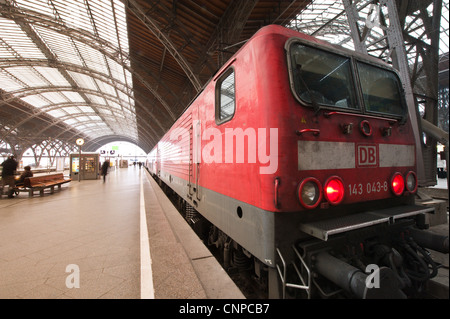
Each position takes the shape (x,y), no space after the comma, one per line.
(297,161)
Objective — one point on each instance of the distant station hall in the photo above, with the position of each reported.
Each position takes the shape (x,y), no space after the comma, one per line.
(222,154)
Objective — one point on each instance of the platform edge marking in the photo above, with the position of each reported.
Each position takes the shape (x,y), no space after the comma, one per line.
(147,289)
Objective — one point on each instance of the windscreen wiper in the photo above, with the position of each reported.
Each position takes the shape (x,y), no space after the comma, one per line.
(314,103)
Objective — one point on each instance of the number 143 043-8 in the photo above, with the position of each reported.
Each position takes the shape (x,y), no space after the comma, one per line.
(368,188)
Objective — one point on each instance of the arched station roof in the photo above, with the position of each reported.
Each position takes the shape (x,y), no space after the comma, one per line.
(113,69)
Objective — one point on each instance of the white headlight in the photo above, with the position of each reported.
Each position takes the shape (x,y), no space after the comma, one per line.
(411,182)
(310,192)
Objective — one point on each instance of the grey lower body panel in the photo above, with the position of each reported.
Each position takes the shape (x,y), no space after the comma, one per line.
(251,227)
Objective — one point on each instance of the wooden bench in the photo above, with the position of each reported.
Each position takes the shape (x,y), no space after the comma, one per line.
(39,183)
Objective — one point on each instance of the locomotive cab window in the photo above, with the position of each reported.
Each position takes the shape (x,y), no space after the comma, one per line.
(225,97)
(320,77)
(381,90)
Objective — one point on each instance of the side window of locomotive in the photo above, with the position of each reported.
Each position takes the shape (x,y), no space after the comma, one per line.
(381,90)
(225,97)
(322,77)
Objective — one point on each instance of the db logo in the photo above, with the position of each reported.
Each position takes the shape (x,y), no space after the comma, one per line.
(367,155)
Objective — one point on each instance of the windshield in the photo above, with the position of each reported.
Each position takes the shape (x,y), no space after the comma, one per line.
(322,77)
(326,79)
(380,89)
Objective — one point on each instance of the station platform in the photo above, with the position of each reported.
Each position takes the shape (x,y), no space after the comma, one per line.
(121,239)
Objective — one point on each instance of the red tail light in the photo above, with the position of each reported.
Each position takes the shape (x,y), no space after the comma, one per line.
(334,190)
(397,184)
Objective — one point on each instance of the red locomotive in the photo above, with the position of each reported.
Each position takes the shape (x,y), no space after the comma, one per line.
(301,158)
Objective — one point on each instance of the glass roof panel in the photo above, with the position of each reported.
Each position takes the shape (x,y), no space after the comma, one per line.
(117,70)
(8,82)
(96,99)
(29,77)
(106,88)
(16,42)
(60,44)
(86,109)
(82,80)
(52,75)
(92,58)
(74,97)
(95,118)
(105,111)
(70,121)
(72,58)
(54,97)
(73,15)
(36,6)
(57,113)
(35,100)
(115,106)
(83,118)
(102,13)
(72,110)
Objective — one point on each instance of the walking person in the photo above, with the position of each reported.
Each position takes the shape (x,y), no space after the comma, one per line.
(105,168)
(9,168)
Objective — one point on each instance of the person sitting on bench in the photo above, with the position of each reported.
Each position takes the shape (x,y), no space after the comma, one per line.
(26,173)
